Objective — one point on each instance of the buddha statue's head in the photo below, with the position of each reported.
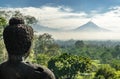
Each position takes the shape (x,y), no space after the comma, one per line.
(17,37)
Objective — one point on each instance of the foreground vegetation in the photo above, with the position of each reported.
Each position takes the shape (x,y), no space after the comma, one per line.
(72,59)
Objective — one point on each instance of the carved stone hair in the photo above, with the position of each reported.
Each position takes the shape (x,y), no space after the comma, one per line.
(17,37)
(16,20)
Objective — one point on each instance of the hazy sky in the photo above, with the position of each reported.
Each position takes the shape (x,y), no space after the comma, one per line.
(69,14)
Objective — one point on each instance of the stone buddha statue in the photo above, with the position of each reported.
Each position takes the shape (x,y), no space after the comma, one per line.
(18,38)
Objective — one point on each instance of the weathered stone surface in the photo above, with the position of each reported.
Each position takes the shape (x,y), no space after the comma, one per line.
(18,39)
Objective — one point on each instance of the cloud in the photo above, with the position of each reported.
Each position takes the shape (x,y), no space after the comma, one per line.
(110,19)
(55,17)
(66,18)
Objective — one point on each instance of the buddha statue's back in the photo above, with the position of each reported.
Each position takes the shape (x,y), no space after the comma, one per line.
(18,38)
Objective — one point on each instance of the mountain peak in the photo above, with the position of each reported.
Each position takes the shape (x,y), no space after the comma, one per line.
(90,24)
(90,27)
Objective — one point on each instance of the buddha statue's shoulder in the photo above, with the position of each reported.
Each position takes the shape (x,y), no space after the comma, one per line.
(44,72)
(26,71)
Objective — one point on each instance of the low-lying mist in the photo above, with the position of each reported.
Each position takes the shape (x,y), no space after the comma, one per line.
(84,35)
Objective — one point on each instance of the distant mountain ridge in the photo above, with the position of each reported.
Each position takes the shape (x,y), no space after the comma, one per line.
(39,28)
(90,27)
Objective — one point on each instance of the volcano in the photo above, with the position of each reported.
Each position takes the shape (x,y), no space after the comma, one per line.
(91,27)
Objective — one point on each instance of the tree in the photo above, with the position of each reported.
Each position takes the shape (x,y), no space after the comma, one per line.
(106,57)
(3,23)
(116,53)
(68,66)
(45,44)
(30,19)
(115,64)
(17,14)
(3,54)
(79,44)
(105,72)
(42,59)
